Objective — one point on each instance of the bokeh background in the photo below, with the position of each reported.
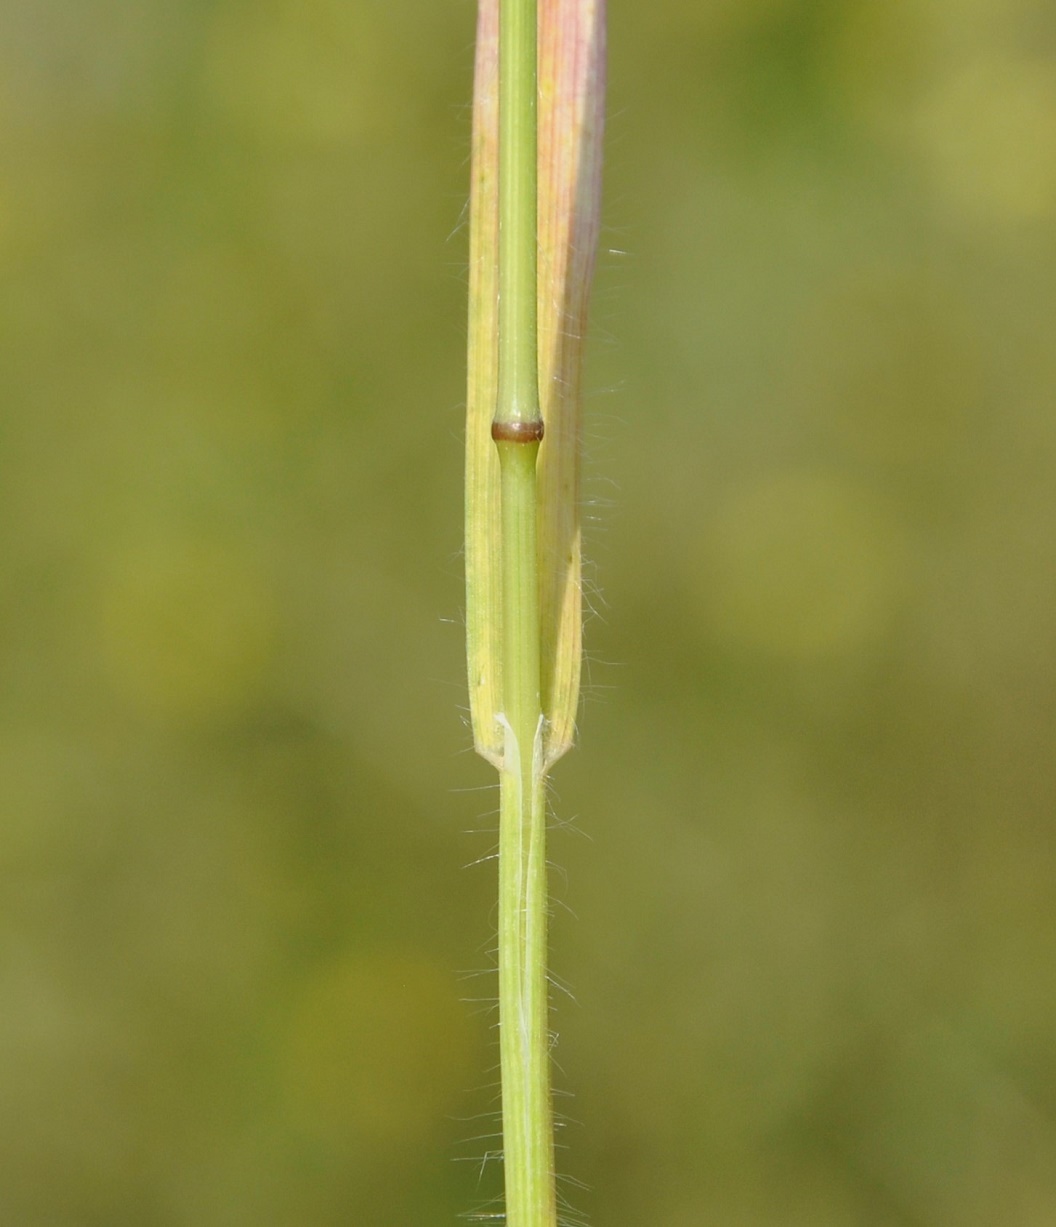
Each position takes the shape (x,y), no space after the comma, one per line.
(244,951)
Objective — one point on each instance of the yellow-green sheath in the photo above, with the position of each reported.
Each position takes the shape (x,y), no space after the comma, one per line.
(483,544)
(571,117)
(571,49)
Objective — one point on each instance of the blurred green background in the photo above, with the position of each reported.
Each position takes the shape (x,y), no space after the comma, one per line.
(813,951)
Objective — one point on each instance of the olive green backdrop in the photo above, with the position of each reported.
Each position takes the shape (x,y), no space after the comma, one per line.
(243,955)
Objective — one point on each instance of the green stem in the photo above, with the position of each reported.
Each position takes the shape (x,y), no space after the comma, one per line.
(517,428)
(523,1003)
(518,175)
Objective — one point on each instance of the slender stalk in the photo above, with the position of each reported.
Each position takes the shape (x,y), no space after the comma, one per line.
(518,398)
(533,228)
(527,1127)
(528,1145)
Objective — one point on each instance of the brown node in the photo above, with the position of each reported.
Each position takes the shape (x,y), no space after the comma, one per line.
(517,432)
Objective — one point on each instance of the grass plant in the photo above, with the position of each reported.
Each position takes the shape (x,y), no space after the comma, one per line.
(533,231)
